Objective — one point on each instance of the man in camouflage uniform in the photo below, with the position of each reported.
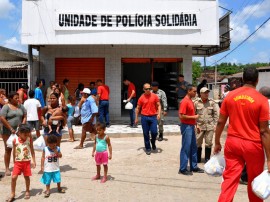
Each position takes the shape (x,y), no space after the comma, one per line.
(207,110)
(163,101)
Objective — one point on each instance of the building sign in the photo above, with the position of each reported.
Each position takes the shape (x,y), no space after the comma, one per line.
(85,21)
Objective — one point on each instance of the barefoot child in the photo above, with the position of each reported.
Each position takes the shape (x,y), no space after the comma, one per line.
(100,147)
(23,153)
(50,165)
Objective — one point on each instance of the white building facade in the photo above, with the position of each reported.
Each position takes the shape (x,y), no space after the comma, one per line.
(86,40)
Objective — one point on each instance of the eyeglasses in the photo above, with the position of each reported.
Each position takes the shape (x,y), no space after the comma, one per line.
(147,89)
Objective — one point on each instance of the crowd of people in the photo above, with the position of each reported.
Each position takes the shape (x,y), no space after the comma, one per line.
(199,118)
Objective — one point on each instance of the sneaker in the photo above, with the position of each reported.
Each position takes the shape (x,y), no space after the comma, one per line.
(198,170)
(148,152)
(185,172)
(108,126)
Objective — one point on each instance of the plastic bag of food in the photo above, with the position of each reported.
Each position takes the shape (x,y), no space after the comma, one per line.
(39,144)
(215,166)
(10,140)
(261,185)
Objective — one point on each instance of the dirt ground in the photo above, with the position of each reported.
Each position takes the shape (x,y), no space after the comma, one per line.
(133,176)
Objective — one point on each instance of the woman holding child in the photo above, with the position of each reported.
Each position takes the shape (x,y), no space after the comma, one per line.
(55,117)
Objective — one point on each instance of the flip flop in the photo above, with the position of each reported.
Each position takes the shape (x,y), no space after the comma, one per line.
(46,195)
(78,147)
(61,191)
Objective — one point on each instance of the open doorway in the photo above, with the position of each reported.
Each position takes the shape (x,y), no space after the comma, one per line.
(146,70)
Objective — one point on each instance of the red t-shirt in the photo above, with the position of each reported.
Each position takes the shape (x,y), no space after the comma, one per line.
(148,104)
(131,87)
(187,108)
(245,107)
(104,92)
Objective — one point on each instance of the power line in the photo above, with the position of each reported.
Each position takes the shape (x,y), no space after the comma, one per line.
(249,13)
(242,41)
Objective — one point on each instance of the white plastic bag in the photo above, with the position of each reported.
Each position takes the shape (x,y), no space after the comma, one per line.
(215,165)
(261,185)
(10,140)
(39,144)
(129,105)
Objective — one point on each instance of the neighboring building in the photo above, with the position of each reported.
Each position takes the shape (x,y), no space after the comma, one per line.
(264,75)
(142,40)
(13,69)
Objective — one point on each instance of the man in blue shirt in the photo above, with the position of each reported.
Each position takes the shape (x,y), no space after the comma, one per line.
(39,94)
(89,111)
(93,88)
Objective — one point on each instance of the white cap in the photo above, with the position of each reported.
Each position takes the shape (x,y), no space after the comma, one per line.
(204,89)
(86,91)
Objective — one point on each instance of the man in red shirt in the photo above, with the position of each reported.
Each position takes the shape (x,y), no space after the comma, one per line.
(103,93)
(248,135)
(131,97)
(150,108)
(188,118)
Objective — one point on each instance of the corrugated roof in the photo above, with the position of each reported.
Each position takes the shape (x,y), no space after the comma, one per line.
(8,65)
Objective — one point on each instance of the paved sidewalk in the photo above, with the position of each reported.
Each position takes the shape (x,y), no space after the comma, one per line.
(122,131)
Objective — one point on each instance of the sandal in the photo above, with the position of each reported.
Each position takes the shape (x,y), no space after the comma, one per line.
(78,147)
(61,191)
(46,194)
(95,178)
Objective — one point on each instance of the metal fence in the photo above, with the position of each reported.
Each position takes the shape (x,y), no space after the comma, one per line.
(11,86)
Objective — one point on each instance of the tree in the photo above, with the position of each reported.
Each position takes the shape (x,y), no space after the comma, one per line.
(196,71)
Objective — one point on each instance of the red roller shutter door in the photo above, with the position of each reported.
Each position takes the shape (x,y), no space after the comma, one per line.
(79,70)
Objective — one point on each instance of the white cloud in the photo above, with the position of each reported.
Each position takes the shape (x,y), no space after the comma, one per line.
(14,43)
(5,7)
(239,33)
(263,32)
(239,21)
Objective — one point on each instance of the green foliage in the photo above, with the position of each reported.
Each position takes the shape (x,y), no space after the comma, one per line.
(196,71)
(223,68)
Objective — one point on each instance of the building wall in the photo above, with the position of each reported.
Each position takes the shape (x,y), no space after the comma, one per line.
(112,55)
(263,79)
(43,25)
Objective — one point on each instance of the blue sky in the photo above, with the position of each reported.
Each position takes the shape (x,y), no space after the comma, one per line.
(246,17)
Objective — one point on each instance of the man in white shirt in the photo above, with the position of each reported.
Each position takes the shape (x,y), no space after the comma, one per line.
(32,106)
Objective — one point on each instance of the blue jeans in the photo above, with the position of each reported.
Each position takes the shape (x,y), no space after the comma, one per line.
(189,147)
(132,111)
(149,123)
(104,112)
